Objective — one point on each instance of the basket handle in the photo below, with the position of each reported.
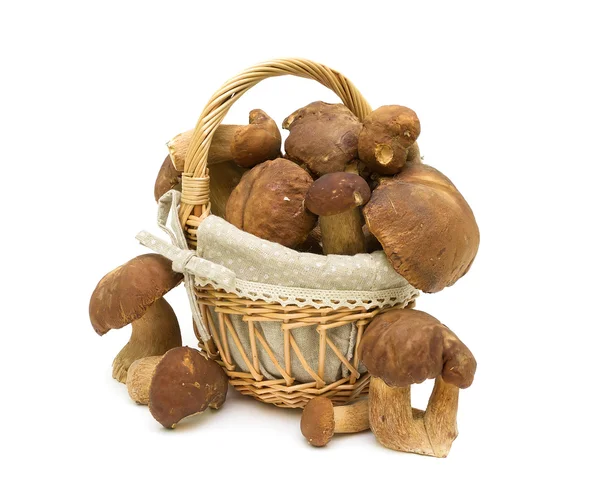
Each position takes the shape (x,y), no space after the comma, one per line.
(195,198)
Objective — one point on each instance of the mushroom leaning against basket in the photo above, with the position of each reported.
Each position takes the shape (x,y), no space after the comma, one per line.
(403,347)
(425,226)
(133,294)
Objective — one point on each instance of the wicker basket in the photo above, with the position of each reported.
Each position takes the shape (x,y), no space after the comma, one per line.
(218,308)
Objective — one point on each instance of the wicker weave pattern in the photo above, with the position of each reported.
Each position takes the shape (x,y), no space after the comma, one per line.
(195,207)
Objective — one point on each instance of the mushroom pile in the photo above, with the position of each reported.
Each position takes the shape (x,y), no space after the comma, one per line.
(341,186)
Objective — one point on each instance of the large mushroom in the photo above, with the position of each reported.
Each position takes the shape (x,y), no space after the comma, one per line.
(402,347)
(185,383)
(425,226)
(387,134)
(133,294)
(336,198)
(323,137)
(269,203)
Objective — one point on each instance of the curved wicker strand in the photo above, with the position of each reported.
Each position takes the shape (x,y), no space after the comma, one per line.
(220,103)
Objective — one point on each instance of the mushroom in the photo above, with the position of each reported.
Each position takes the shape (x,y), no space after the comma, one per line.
(320,419)
(185,383)
(425,226)
(133,294)
(269,203)
(324,137)
(387,134)
(257,142)
(139,376)
(336,198)
(168,178)
(402,347)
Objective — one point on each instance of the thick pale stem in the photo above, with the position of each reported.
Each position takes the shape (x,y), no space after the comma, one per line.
(220,147)
(400,427)
(352,418)
(342,234)
(156,332)
(440,417)
(139,377)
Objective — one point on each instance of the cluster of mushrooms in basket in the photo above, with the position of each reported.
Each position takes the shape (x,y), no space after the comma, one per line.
(343,187)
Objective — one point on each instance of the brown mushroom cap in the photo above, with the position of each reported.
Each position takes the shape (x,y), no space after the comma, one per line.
(269,203)
(168,178)
(123,295)
(336,193)
(324,137)
(387,134)
(407,346)
(185,383)
(318,422)
(425,226)
(257,142)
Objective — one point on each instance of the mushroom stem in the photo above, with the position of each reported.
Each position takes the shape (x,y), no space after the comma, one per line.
(440,417)
(399,427)
(156,332)
(351,418)
(139,377)
(342,234)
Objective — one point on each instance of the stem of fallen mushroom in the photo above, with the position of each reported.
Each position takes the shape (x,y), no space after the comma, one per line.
(156,332)
(352,418)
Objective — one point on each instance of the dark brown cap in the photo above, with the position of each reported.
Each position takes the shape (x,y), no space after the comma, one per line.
(387,134)
(185,383)
(336,193)
(257,142)
(123,295)
(269,203)
(318,422)
(324,137)
(406,346)
(425,226)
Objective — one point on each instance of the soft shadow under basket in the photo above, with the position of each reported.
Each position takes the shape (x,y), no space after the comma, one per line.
(266,313)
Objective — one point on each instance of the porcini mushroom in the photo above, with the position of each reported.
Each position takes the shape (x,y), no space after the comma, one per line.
(257,142)
(425,226)
(168,178)
(402,347)
(336,198)
(320,419)
(133,294)
(185,383)
(269,203)
(386,136)
(139,376)
(324,137)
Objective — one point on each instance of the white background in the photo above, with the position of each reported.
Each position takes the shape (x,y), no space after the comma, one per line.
(508,100)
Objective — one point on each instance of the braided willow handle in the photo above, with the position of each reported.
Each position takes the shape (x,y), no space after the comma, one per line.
(195,203)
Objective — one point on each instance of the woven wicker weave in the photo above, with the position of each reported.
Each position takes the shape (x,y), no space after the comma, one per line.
(195,207)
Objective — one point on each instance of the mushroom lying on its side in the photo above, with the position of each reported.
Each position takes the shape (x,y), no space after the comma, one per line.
(185,383)
(402,347)
(133,294)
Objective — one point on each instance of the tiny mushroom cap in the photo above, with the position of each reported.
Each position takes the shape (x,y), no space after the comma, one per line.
(257,142)
(406,346)
(387,134)
(318,421)
(426,227)
(336,193)
(123,295)
(185,383)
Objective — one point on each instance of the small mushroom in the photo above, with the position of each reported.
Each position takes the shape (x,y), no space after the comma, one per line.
(133,294)
(387,134)
(257,142)
(139,376)
(185,383)
(324,137)
(320,419)
(269,203)
(402,347)
(425,226)
(336,198)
